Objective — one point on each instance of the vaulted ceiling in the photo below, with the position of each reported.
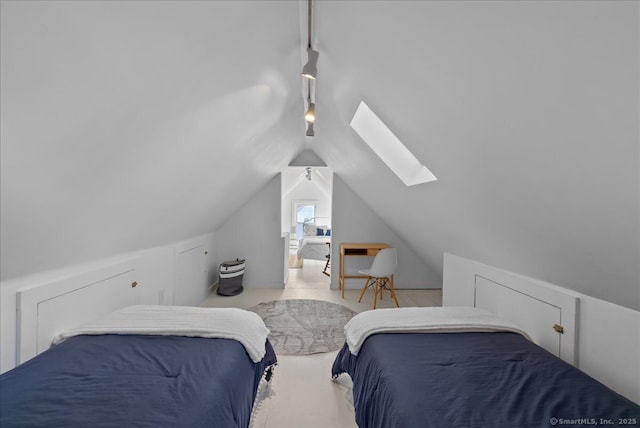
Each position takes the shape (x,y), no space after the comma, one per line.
(127,125)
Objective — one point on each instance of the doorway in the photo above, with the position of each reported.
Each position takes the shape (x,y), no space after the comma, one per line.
(306,220)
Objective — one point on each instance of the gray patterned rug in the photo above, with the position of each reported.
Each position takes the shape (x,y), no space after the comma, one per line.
(303,326)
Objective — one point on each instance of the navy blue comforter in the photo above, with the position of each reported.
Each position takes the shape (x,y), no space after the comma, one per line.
(484,380)
(134,381)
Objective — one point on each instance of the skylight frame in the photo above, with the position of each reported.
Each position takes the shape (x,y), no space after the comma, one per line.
(389,148)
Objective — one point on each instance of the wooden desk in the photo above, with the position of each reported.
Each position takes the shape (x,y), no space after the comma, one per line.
(357,250)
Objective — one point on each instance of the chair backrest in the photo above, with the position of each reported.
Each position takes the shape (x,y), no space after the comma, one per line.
(385,263)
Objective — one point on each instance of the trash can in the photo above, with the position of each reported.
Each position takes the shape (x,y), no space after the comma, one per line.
(231,275)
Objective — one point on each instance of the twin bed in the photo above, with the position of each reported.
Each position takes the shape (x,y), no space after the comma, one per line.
(156,366)
(465,367)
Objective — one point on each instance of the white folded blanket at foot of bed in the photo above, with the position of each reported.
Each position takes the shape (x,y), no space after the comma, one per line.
(447,319)
(222,323)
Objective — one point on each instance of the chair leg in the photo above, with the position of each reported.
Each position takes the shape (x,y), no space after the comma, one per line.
(376,287)
(326,266)
(385,283)
(366,285)
(379,285)
(393,293)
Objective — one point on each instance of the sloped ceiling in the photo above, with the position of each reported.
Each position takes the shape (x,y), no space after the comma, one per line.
(527,112)
(132,124)
(127,125)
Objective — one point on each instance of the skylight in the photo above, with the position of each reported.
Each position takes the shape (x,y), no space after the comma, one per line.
(389,148)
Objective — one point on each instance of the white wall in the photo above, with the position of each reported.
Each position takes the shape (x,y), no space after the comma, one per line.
(155,275)
(253,233)
(355,220)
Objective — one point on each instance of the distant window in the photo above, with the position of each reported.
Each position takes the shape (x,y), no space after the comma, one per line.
(305,213)
(389,148)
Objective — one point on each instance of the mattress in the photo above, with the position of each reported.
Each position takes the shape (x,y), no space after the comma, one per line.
(474,379)
(134,380)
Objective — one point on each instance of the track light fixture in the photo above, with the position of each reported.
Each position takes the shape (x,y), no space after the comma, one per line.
(310,69)
(310,115)
(308,174)
(310,132)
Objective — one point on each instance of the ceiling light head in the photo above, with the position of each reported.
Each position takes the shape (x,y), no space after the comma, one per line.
(308,174)
(310,132)
(310,69)
(310,115)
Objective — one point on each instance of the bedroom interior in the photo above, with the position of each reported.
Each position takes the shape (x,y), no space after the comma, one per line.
(143,143)
(306,212)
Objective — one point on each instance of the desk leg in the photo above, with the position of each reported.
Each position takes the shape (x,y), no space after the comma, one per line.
(341,278)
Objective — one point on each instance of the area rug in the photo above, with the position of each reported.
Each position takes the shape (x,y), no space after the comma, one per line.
(304,326)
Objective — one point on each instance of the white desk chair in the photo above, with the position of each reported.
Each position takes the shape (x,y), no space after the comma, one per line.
(380,275)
